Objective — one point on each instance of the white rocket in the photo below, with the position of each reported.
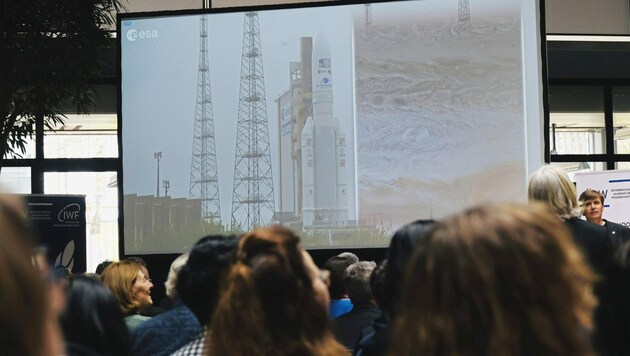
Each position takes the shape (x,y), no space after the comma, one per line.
(324,145)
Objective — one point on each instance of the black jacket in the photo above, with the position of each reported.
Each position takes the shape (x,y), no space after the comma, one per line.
(593,240)
(617,233)
(348,327)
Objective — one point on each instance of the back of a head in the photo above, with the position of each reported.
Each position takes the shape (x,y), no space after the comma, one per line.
(199,280)
(400,249)
(552,186)
(269,305)
(351,257)
(138,260)
(357,282)
(500,279)
(377,283)
(173,272)
(337,266)
(92,320)
(23,305)
(101,267)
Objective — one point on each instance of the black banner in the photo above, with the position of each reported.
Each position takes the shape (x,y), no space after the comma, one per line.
(59,224)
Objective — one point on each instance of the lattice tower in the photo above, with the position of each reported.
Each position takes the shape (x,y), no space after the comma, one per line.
(204,181)
(253,202)
(368,18)
(463,17)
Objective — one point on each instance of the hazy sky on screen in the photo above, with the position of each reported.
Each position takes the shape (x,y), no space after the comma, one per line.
(160,85)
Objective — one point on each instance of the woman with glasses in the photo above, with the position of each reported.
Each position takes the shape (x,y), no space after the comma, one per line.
(130,288)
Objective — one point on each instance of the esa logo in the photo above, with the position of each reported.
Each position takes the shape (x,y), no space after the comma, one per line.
(133,34)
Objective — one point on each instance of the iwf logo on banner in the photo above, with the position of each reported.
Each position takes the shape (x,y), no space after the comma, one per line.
(70,214)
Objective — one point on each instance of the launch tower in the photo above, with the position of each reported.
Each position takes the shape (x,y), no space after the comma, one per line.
(463,17)
(253,202)
(204,182)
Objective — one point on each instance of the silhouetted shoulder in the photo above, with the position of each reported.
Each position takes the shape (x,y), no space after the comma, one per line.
(592,239)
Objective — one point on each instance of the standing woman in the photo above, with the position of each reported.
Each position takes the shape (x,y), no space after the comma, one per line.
(130,288)
(273,301)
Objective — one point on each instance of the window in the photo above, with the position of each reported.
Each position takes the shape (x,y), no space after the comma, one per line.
(83,136)
(101,205)
(589,127)
(80,157)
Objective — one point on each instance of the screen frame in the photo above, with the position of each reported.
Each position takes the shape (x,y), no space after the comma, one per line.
(536,104)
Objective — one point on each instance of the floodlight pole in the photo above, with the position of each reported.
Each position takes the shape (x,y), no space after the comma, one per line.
(158,157)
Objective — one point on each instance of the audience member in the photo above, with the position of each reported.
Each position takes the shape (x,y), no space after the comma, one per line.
(496,280)
(612,316)
(377,283)
(274,302)
(101,267)
(28,316)
(351,257)
(373,339)
(130,288)
(348,328)
(92,323)
(592,203)
(339,301)
(167,332)
(551,185)
(400,249)
(149,310)
(199,281)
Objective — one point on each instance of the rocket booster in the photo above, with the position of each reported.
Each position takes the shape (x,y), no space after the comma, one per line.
(308,177)
(342,169)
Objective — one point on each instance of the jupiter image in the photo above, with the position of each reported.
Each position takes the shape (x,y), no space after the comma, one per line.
(439,110)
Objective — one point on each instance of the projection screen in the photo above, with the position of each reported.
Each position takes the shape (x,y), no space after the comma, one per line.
(341,121)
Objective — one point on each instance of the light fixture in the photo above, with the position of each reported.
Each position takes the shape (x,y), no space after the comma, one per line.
(622,133)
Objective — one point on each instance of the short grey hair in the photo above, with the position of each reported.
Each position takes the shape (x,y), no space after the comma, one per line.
(356,278)
(171,280)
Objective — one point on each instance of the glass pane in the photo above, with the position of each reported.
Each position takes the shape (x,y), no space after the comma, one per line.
(83,136)
(576,119)
(29,149)
(621,119)
(101,209)
(16,180)
(578,167)
(622,165)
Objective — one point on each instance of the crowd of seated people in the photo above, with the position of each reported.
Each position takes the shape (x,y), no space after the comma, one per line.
(495,279)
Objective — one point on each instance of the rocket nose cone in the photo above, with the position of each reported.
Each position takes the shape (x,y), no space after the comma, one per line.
(321,48)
